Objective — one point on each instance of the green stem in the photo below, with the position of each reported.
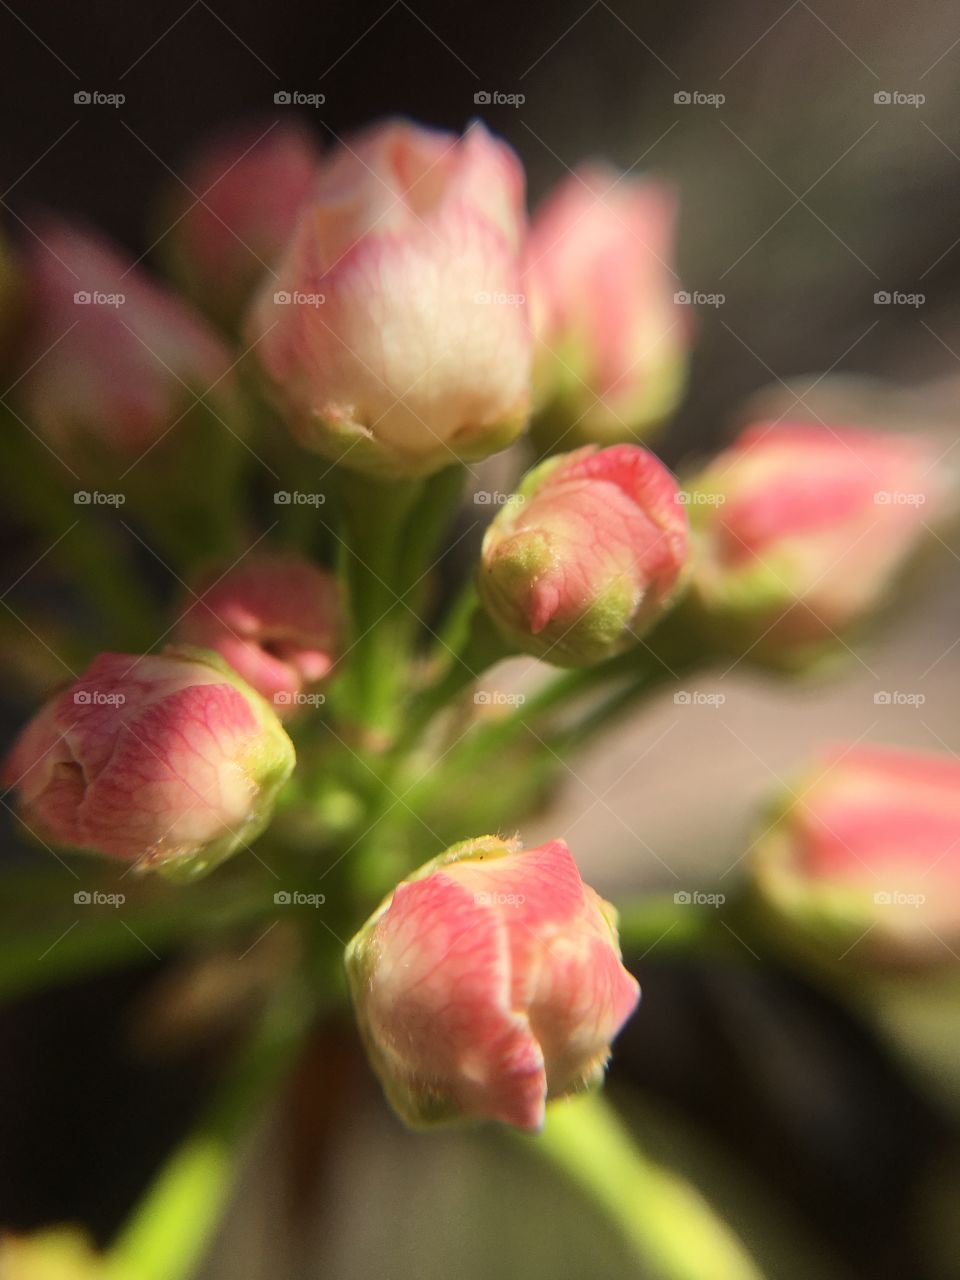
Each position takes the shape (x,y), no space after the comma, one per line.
(86,547)
(482,648)
(391,531)
(621,702)
(374,515)
(496,735)
(441,495)
(453,632)
(172,1227)
(49,939)
(669,1226)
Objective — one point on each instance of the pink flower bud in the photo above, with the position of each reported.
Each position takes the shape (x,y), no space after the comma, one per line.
(11,303)
(113,358)
(275,619)
(610,359)
(252,185)
(395,333)
(587,554)
(865,855)
(168,761)
(800,530)
(488,982)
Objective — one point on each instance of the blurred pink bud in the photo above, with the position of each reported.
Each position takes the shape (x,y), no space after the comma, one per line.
(396,333)
(11,304)
(800,530)
(865,854)
(487,982)
(234,213)
(275,619)
(586,555)
(113,359)
(168,761)
(610,355)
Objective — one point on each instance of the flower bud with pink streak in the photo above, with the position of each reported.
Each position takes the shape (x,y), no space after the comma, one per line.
(168,761)
(489,982)
(864,856)
(244,194)
(611,341)
(114,360)
(395,334)
(276,619)
(800,531)
(586,556)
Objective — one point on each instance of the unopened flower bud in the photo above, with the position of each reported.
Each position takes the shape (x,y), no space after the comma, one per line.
(275,619)
(167,761)
(488,982)
(243,196)
(395,334)
(799,531)
(612,339)
(864,856)
(587,556)
(114,361)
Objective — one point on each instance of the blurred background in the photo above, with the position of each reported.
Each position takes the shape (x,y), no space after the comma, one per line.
(823,171)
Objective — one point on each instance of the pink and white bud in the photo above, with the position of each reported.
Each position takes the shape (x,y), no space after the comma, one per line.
(113,359)
(395,333)
(168,761)
(276,620)
(586,556)
(488,982)
(800,530)
(865,855)
(234,214)
(611,340)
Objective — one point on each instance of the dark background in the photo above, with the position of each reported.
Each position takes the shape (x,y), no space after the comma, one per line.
(838,197)
(801,197)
